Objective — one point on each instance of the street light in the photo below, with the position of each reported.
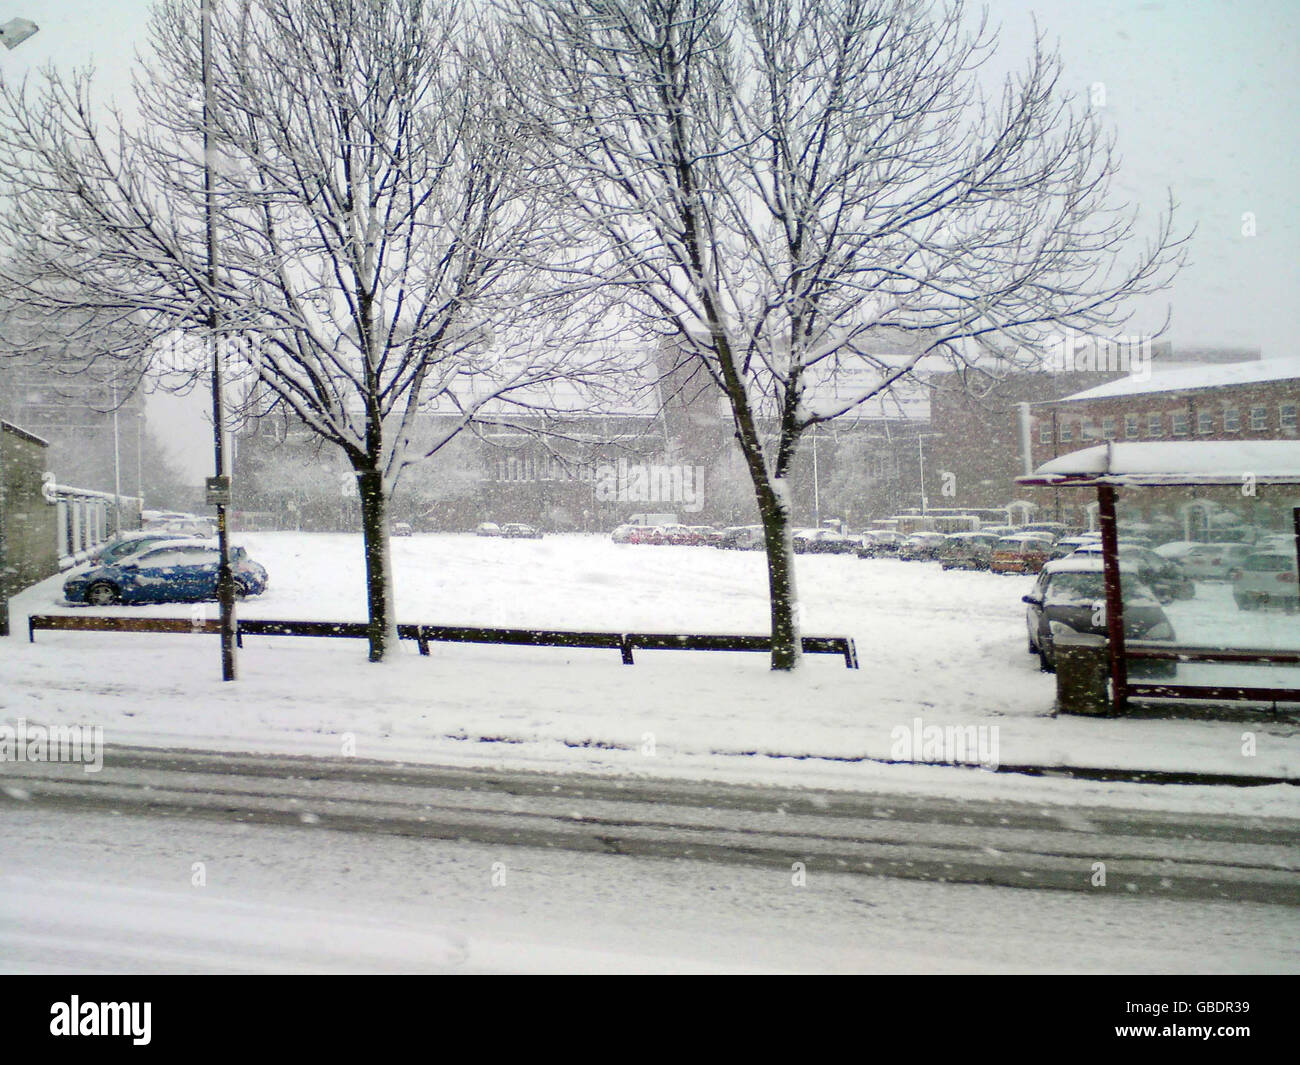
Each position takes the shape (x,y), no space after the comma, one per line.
(17,30)
(12,33)
(221,483)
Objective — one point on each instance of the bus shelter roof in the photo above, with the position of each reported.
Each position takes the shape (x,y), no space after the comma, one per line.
(1195,462)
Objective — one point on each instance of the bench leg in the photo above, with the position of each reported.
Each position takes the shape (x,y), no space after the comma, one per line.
(626,647)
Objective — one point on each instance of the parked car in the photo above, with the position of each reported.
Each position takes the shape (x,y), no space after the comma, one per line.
(1165,576)
(402,528)
(967,550)
(1177,550)
(676,534)
(1056,529)
(622,534)
(517,530)
(646,534)
(128,544)
(741,538)
(168,572)
(1025,552)
(1070,596)
(822,542)
(880,543)
(201,528)
(1069,544)
(1267,578)
(1209,562)
(488,528)
(921,547)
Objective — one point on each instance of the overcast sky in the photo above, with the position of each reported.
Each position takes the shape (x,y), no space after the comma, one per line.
(1202,94)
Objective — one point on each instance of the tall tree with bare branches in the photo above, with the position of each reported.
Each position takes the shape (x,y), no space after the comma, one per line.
(772,183)
(378,233)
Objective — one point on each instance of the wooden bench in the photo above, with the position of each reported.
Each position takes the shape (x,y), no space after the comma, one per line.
(1216,692)
(623,642)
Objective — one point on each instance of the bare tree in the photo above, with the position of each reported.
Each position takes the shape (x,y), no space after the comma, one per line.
(771,183)
(377,233)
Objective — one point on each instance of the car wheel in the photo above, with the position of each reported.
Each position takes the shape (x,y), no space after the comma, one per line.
(101,593)
(1245,604)
(241,589)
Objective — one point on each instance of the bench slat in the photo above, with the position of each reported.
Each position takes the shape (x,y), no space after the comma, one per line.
(624,642)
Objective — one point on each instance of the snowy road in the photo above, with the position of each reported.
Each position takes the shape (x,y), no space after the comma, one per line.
(912,837)
(492,871)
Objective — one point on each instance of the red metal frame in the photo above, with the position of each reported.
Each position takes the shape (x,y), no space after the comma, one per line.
(1114,597)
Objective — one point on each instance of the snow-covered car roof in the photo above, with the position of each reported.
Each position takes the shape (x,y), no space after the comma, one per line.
(1088,562)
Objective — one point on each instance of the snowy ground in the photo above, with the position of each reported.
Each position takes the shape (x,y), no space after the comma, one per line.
(945,648)
(118,895)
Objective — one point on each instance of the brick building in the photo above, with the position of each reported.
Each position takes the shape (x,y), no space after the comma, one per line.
(1241,401)
(1255,400)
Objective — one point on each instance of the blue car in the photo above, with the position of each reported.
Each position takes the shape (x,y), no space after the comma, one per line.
(169,572)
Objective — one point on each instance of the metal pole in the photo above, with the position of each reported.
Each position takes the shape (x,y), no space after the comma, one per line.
(817,498)
(225,581)
(139,458)
(1295,515)
(117,471)
(920,452)
(1114,596)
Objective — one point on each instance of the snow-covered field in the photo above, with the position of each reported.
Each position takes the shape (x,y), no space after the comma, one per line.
(941,648)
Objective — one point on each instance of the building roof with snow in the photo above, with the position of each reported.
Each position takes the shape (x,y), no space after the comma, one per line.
(1191,378)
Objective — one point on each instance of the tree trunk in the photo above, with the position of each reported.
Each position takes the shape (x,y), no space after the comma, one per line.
(379,582)
(787,646)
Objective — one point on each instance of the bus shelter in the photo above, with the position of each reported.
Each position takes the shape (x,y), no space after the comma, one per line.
(1245,467)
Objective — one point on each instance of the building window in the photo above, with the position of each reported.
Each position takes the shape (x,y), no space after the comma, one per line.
(1155,424)
(1204,422)
(1231,420)
(1045,433)
(1067,432)
(1180,423)
(1258,418)
(1286,416)
(1131,428)
(1109,428)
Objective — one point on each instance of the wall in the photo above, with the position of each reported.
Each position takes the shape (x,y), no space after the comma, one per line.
(28,539)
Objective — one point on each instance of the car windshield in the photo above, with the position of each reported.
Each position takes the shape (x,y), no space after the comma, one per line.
(1079,588)
(1268,563)
(178,556)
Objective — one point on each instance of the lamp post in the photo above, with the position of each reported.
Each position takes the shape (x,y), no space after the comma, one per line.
(920,454)
(221,482)
(17,30)
(12,33)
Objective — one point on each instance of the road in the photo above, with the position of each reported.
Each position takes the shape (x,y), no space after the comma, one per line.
(598,873)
